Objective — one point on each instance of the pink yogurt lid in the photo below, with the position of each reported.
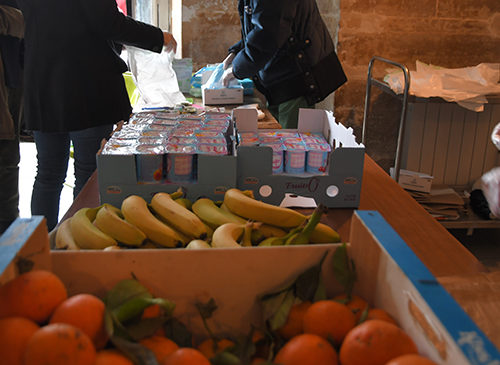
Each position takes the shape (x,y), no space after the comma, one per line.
(154,149)
(212,149)
(319,147)
(295,147)
(180,148)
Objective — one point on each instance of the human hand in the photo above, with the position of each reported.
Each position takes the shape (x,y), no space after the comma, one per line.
(228,76)
(228,61)
(169,42)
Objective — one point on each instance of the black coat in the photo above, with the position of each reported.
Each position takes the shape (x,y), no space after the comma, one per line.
(287,50)
(73,75)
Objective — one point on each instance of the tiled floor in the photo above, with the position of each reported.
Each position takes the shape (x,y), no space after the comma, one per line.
(27,172)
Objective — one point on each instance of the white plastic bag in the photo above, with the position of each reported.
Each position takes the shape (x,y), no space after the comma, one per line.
(490,185)
(495,136)
(466,86)
(155,78)
(215,79)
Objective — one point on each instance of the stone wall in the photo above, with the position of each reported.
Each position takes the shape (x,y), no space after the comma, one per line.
(447,33)
(210,27)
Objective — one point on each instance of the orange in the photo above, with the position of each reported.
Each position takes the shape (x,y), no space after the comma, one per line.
(59,344)
(377,313)
(375,342)
(160,345)
(32,295)
(111,357)
(14,335)
(294,322)
(208,348)
(329,319)
(154,311)
(186,356)
(307,349)
(357,304)
(86,312)
(411,359)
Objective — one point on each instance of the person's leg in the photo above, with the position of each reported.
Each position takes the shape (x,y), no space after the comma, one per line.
(52,157)
(287,113)
(86,143)
(9,165)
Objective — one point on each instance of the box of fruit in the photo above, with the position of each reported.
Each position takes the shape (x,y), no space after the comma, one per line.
(368,301)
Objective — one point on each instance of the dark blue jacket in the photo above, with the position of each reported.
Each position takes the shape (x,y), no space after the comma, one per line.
(73,75)
(287,50)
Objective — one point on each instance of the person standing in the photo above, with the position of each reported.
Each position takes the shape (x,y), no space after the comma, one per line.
(74,87)
(11,34)
(286,49)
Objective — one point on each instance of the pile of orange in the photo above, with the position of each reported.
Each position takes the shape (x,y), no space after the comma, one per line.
(40,324)
(344,331)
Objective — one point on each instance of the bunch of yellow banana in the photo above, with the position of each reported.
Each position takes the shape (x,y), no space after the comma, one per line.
(171,220)
(164,223)
(276,225)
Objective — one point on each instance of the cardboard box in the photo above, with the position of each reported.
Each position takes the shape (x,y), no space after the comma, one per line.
(233,95)
(390,276)
(118,177)
(412,180)
(339,187)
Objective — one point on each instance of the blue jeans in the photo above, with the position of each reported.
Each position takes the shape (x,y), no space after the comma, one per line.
(53,150)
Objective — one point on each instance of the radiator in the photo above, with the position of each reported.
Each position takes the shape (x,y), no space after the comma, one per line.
(449,142)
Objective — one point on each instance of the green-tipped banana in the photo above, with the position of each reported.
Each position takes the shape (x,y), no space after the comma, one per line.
(246,241)
(110,220)
(185,202)
(212,215)
(259,211)
(178,217)
(64,238)
(323,233)
(135,210)
(302,237)
(85,234)
(279,241)
(197,244)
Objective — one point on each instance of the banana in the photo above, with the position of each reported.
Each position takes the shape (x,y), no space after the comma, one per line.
(64,238)
(178,216)
(279,241)
(135,210)
(323,233)
(109,219)
(228,235)
(266,230)
(197,244)
(259,211)
(302,237)
(185,202)
(212,215)
(86,235)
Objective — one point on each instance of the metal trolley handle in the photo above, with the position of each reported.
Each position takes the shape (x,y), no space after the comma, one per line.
(402,120)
